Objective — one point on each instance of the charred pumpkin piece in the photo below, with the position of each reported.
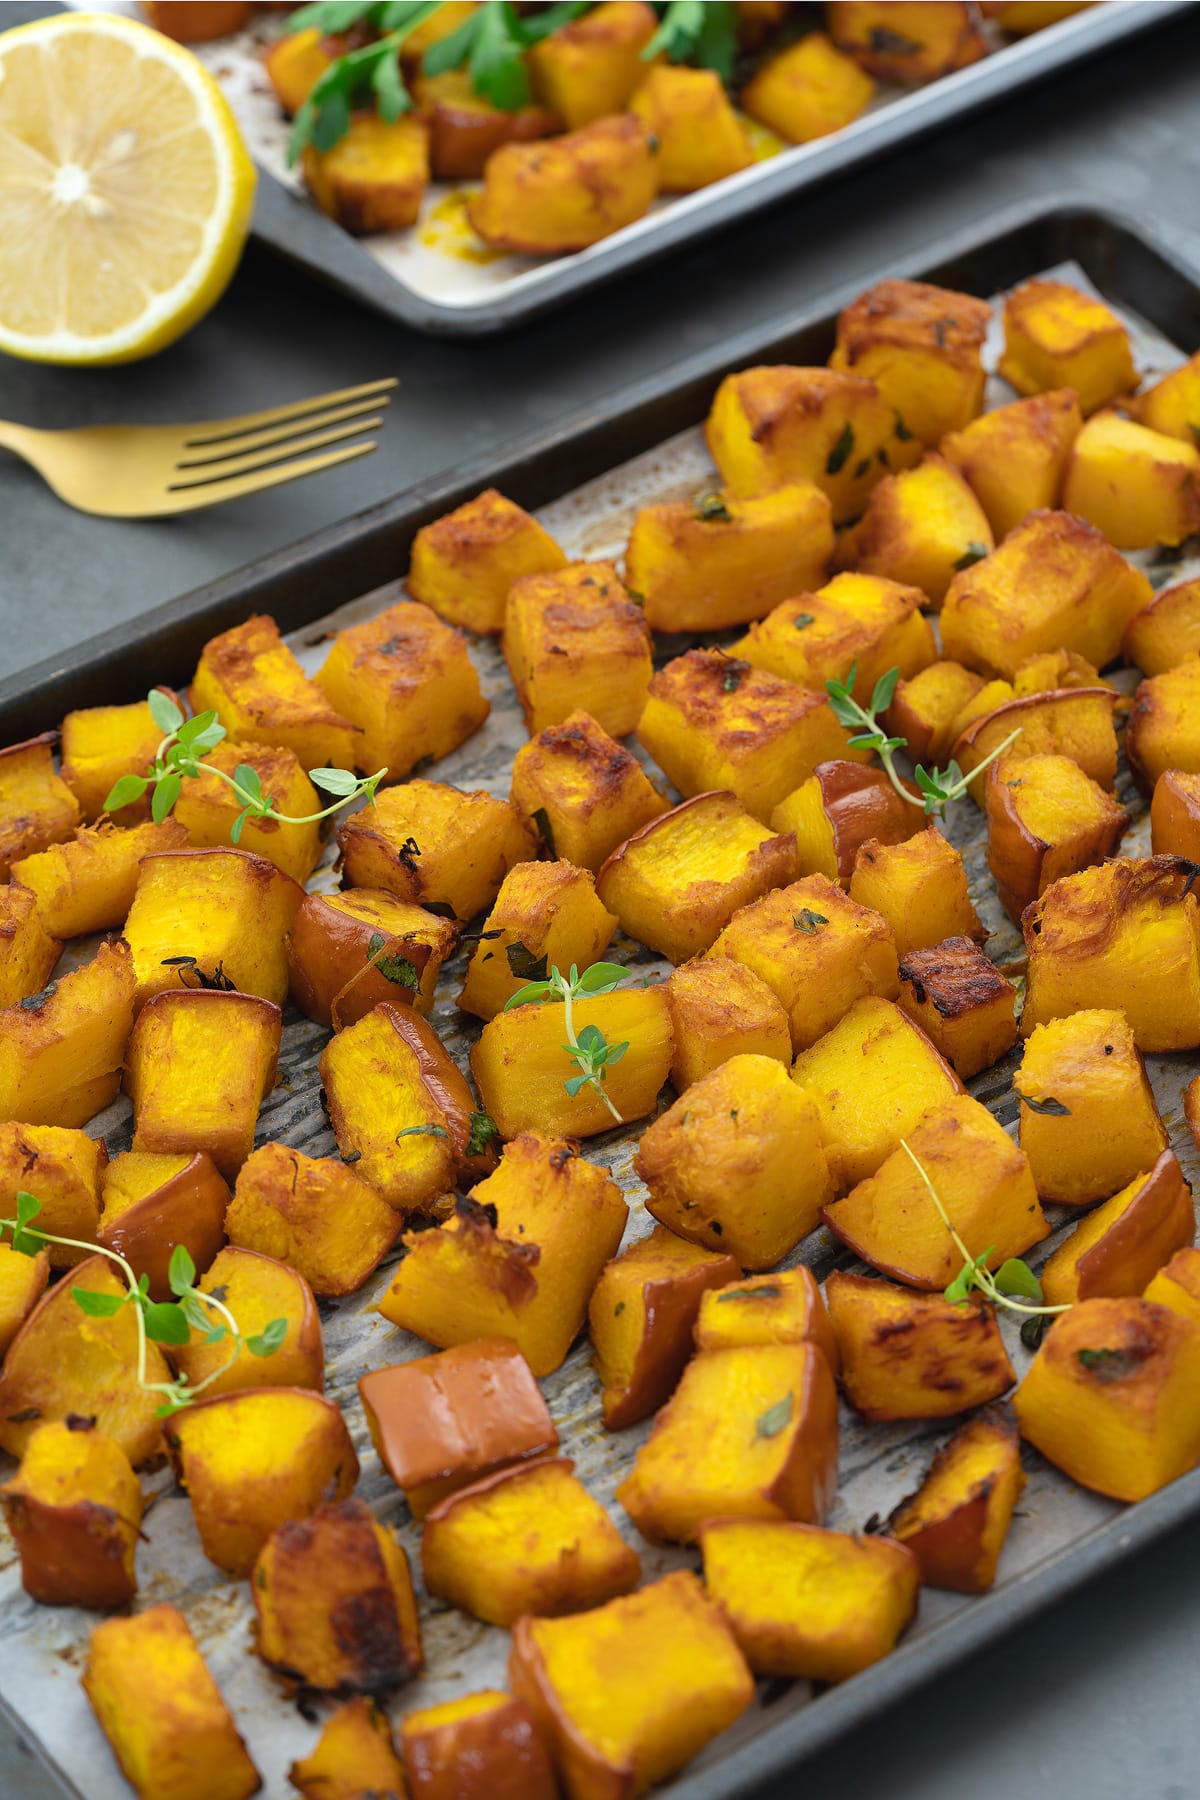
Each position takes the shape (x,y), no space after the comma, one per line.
(23,1281)
(208,808)
(784,1308)
(573,637)
(547,914)
(374,178)
(840,807)
(363,946)
(914,1356)
(102,743)
(257,1290)
(918,887)
(440,1423)
(465,562)
(235,1039)
(482,1747)
(1177,1285)
(1057,337)
(213,918)
(1045,819)
(700,137)
(74,1508)
(927,707)
(1164,725)
(87,883)
(920,528)
(61,1051)
(807,90)
(527,1540)
(63,1169)
(314,1214)
(27,951)
(962,1003)
(1112,1398)
(1138,486)
(640,1320)
(1072,722)
(250,677)
(583,791)
(354,1755)
(956,1522)
(433,846)
(854,621)
(1117,1248)
(908,42)
(162,1712)
(591,66)
(719,1008)
(37,808)
(544,199)
(1015,456)
(153,1202)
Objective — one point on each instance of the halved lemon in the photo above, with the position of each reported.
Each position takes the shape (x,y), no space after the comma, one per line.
(125,190)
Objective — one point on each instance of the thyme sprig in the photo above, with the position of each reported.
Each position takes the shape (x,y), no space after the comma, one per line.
(938,787)
(180,756)
(589,1049)
(168,1322)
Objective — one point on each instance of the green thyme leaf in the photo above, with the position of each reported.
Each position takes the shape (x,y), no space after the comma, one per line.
(767,1291)
(1016,1277)
(181,1271)
(524,964)
(422,1131)
(484,1132)
(802,621)
(98,1306)
(1109,1365)
(885,687)
(712,508)
(334,781)
(269,1339)
(974,552)
(165,795)
(776,1417)
(838,457)
(125,791)
(808,921)
(164,712)
(166,1322)
(1050,1105)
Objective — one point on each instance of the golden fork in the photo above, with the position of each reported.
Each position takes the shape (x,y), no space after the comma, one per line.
(144,471)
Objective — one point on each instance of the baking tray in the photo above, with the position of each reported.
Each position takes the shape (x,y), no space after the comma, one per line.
(1063,1536)
(406,276)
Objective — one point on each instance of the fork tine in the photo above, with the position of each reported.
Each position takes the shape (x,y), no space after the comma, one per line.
(265,457)
(215,431)
(213,493)
(235,446)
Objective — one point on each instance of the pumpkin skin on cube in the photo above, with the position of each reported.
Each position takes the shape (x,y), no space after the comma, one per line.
(1057,337)
(27,951)
(908,42)
(64,1169)
(1167,631)
(162,1712)
(855,621)
(1073,722)
(257,1290)
(464,128)
(574,637)
(640,1320)
(374,178)
(529,1539)
(914,1356)
(351,950)
(441,1422)
(737,1163)
(920,528)
(1138,486)
(314,1214)
(981,1178)
(1111,1397)
(154,1202)
(465,562)
(808,1603)
(224,909)
(544,199)
(208,809)
(1045,819)
(962,1003)
(482,1747)
(1175,815)
(591,66)
(585,791)
(1119,1247)
(956,1522)
(807,90)
(719,1008)
(784,1308)
(838,808)
(353,1754)
(235,1039)
(23,1281)
(1164,726)
(918,887)
(74,1508)
(1015,457)
(547,914)
(750,1432)
(926,708)
(102,743)
(721,560)
(37,808)
(701,139)
(251,679)
(629,1692)
(87,883)
(429,844)
(61,1051)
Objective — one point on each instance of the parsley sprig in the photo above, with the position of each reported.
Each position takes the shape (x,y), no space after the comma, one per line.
(938,787)
(589,1049)
(180,756)
(168,1322)
(699,31)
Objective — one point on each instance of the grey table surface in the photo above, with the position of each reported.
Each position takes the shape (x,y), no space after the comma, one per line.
(1099,1699)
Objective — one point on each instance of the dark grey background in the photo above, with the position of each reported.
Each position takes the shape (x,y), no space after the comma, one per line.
(1099,1699)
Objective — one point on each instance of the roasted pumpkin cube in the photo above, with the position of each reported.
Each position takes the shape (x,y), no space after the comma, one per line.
(257,1290)
(590,67)
(816,949)
(640,1320)
(61,1051)
(1121,1245)
(335,1604)
(1015,457)
(208,809)
(519,1261)
(1057,337)
(673,1678)
(926,709)
(807,90)
(855,623)
(914,1356)
(1172,404)
(961,1001)
(584,792)
(677,883)
(573,636)
(27,951)
(921,346)
(482,1747)
(215,916)
(464,128)
(784,1308)
(294,64)
(250,677)
(1167,631)
(314,1214)
(1177,1285)
(750,1432)
(1164,725)
(982,1180)
(521,1068)
(102,743)
(87,883)
(1072,722)
(63,1169)
(719,1008)
(777,424)
(700,137)
(74,1507)
(737,1163)
(63,1363)
(22,1283)
(920,528)
(234,1039)
(840,807)
(527,1540)
(254,1461)
(196,21)
(546,914)
(990,698)
(435,846)
(1054,583)
(352,950)
(398,1100)
(1138,486)
(1046,819)
(1048,671)
(1175,815)
(908,42)
(919,888)
(440,1423)
(441,24)
(162,1712)
(37,807)
(152,1203)
(1022,16)
(1112,1398)
(374,178)
(465,562)
(956,1522)
(808,1603)
(569,192)
(872,1076)
(1125,936)
(354,1754)
(717,560)
(406,680)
